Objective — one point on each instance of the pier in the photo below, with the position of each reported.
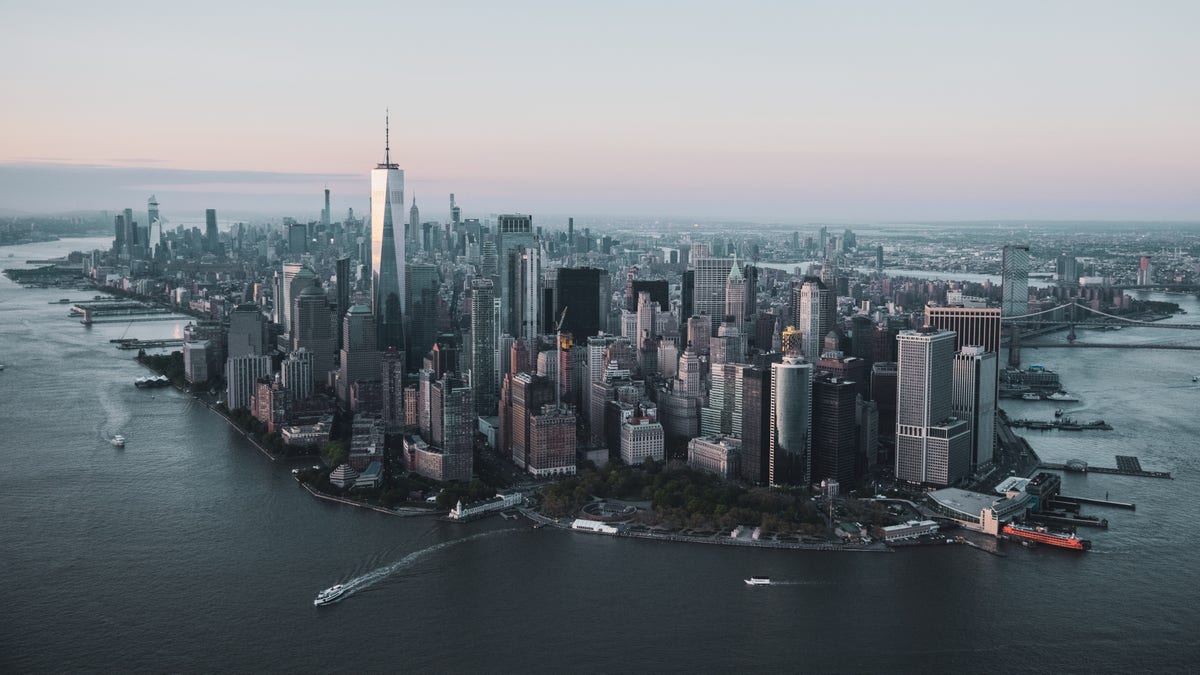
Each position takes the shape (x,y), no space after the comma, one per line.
(1097,502)
(1080,521)
(147,344)
(1065,424)
(1126,466)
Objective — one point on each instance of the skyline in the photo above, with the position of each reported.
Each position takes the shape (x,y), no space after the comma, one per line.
(801,114)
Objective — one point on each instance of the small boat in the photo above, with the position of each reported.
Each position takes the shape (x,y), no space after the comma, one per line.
(1195,378)
(118,441)
(1061,396)
(329,595)
(1058,412)
(1,366)
(758,581)
(1030,396)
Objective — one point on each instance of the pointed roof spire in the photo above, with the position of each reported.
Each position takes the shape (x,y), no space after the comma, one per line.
(735,274)
(387,137)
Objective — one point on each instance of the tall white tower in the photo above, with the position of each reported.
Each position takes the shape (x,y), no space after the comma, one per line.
(387,250)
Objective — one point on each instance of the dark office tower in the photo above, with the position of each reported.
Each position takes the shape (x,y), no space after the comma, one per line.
(822,238)
(883,393)
(297,235)
(211,240)
(835,438)
(313,329)
(392,389)
(119,234)
(455,212)
(571,234)
(756,422)
(751,274)
(412,233)
(483,345)
(879,259)
(795,241)
(659,290)
(343,292)
(130,232)
(446,353)
(861,337)
(579,292)
(325,212)
(422,286)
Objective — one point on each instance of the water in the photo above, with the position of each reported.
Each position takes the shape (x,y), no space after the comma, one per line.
(190,551)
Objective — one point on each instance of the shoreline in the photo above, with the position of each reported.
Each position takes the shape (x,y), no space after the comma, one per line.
(544,520)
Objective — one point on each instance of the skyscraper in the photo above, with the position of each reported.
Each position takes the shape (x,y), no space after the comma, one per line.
(248,333)
(212,243)
(756,424)
(931,445)
(343,291)
(1066,270)
(325,211)
(513,231)
(360,358)
(585,292)
(524,284)
(791,422)
(483,345)
(708,295)
(735,298)
(971,325)
(392,388)
(974,399)
(551,442)
(412,233)
(152,220)
(422,287)
(1015,283)
(835,431)
(313,330)
(387,250)
(812,302)
(296,370)
(241,375)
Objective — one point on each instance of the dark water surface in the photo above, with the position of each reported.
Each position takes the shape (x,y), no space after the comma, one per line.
(190,551)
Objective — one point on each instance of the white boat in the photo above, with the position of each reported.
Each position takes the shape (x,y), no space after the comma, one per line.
(1030,396)
(329,595)
(758,581)
(118,441)
(1061,396)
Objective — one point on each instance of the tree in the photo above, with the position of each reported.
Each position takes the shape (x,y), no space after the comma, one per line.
(334,452)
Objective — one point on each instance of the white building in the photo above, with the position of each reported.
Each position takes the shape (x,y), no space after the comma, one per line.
(910,530)
(296,371)
(641,437)
(717,455)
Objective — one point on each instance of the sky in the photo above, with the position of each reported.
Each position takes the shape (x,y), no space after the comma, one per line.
(770,111)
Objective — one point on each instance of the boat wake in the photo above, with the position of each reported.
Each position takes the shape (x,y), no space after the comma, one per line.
(365,581)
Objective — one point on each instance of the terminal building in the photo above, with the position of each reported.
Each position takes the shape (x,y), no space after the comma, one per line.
(979,511)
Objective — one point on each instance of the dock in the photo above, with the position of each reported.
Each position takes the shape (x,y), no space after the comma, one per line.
(1075,521)
(1096,502)
(147,344)
(1065,424)
(1126,466)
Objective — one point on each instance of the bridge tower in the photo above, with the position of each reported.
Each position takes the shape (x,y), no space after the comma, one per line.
(1014,346)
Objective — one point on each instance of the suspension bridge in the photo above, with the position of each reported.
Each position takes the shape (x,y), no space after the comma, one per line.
(1073,316)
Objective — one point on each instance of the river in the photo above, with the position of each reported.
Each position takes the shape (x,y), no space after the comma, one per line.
(190,551)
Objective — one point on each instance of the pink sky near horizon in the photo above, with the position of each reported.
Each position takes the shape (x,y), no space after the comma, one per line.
(799,110)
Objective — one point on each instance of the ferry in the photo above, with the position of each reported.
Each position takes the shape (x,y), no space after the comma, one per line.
(1030,396)
(118,441)
(1058,412)
(758,581)
(1061,396)
(329,595)
(1045,536)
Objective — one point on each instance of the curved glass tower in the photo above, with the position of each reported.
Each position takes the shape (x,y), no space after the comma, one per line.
(387,252)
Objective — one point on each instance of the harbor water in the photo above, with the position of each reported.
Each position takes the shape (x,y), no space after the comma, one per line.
(188,550)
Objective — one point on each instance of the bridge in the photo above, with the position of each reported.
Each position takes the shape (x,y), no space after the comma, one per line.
(1036,324)
(1096,319)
